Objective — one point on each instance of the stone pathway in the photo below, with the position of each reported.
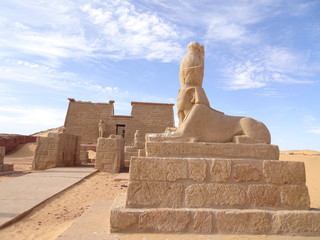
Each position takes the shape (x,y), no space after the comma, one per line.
(18,196)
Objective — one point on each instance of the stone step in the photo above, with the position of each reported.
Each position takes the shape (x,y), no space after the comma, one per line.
(212,221)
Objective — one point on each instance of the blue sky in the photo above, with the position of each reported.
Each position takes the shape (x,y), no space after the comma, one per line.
(262,59)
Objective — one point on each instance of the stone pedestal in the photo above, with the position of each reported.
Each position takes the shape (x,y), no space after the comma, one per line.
(110,154)
(4,167)
(213,191)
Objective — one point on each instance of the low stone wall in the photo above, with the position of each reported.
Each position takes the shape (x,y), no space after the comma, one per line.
(60,151)
(110,154)
(11,141)
(4,167)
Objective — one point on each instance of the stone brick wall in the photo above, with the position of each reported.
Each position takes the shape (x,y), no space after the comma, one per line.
(82,119)
(61,151)
(4,167)
(2,153)
(110,154)
(241,184)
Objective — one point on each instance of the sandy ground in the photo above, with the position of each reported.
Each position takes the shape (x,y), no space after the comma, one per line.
(54,216)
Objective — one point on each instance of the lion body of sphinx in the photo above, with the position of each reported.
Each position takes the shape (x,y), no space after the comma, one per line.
(204,124)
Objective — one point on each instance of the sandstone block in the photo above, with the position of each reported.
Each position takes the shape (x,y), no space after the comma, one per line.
(165,220)
(154,194)
(2,151)
(295,196)
(212,195)
(283,172)
(243,222)
(110,154)
(203,222)
(7,167)
(120,220)
(197,169)
(157,169)
(220,170)
(263,195)
(297,222)
(246,173)
(155,147)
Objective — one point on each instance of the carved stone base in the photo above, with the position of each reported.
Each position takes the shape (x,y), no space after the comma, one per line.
(212,221)
(211,150)
(217,183)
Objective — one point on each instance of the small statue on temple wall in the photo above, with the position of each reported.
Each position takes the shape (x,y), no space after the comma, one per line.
(102,128)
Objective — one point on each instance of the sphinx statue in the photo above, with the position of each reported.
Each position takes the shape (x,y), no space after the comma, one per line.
(198,122)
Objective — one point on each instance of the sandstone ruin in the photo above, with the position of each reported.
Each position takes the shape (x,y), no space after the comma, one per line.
(58,150)
(4,167)
(92,121)
(216,174)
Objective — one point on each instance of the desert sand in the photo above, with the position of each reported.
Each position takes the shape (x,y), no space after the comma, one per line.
(53,217)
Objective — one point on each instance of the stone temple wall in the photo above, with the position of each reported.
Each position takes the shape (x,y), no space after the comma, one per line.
(82,119)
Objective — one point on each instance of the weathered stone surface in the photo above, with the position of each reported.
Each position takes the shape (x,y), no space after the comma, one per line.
(263,195)
(246,173)
(146,169)
(220,170)
(203,222)
(197,169)
(63,150)
(156,147)
(297,222)
(2,153)
(175,169)
(154,194)
(82,119)
(243,222)
(165,220)
(120,220)
(295,196)
(155,169)
(283,172)
(110,154)
(211,195)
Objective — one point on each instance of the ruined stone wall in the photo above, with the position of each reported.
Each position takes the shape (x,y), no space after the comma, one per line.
(60,151)
(83,118)
(46,153)
(110,154)
(11,141)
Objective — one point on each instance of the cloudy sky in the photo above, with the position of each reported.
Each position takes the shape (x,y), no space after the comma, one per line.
(262,59)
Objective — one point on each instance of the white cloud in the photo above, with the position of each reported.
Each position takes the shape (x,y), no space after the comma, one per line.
(314,130)
(14,119)
(128,33)
(35,74)
(265,66)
